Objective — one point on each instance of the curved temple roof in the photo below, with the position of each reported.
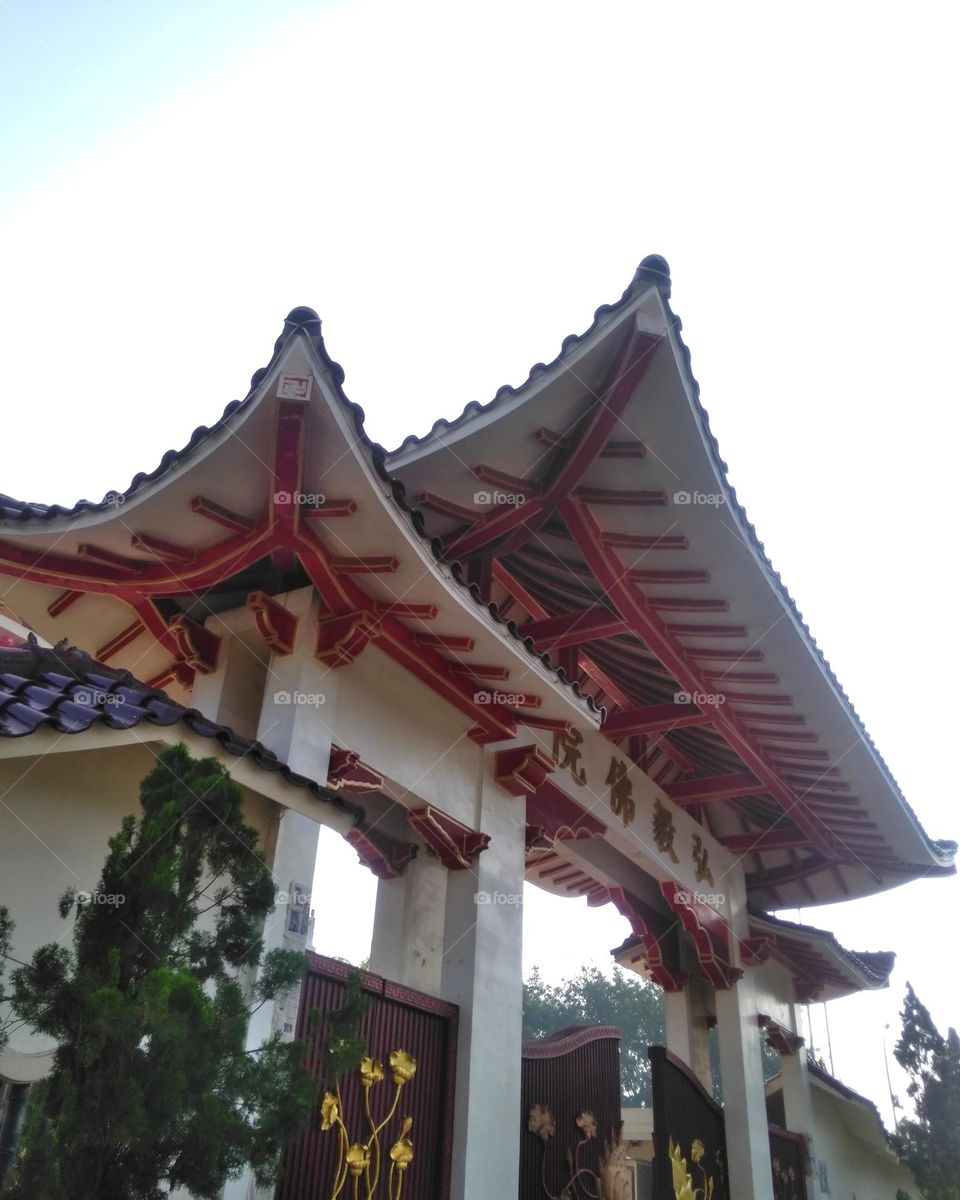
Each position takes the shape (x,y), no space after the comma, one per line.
(598,475)
(621,479)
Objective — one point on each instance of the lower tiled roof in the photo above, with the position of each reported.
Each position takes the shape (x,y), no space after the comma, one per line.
(65,690)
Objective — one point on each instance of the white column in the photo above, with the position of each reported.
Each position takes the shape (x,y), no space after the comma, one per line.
(407,943)
(687,1018)
(482,973)
(797,1097)
(676,1022)
(296,717)
(741,1069)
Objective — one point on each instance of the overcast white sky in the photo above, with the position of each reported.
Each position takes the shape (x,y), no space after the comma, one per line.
(455,187)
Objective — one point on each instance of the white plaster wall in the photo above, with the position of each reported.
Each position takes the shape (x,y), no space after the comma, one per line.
(401,728)
(56,815)
(857,1170)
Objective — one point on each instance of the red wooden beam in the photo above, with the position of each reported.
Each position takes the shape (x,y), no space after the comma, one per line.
(710,631)
(413,612)
(722,787)
(657,575)
(100,554)
(646,541)
(706,654)
(64,601)
(452,643)
(447,508)
(329,509)
(642,616)
(277,625)
(732,676)
(223,516)
(585,444)
(655,717)
(622,499)
(123,639)
(624,449)
(684,603)
(164,551)
(573,628)
(781,838)
(372,564)
(287,480)
(503,482)
(479,670)
(506,579)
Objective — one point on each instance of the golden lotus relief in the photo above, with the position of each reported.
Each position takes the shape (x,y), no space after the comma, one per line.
(360,1161)
(614,1181)
(683,1183)
(700,857)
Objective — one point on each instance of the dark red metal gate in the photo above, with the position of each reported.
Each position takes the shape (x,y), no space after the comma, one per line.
(396,1018)
(574,1073)
(689,1139)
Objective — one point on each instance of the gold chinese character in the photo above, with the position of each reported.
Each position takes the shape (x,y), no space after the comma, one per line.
(621,791)
(568,740)
(700,854)
(663,830)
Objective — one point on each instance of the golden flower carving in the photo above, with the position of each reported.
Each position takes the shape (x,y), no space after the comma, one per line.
(682,1181)
(329,1111)
(696,1150)
(371,1071)
(401,1152)
(587,1124)
(540,1121)
(358,1158)
(403,1066)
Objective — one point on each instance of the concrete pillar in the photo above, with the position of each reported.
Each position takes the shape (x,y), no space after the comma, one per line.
(797,1097)
(741,1069)
(407,943)
(687,1018)
(676,1023)
(482,973)
(296,716)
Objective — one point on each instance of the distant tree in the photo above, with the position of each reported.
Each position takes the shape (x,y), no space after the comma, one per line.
(152,1086)
(6,1019)
(929,1142)
(623,999)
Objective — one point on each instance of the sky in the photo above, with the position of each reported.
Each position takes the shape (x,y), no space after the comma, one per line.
(455,188)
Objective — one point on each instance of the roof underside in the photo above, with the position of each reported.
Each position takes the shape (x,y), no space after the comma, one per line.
(589,506)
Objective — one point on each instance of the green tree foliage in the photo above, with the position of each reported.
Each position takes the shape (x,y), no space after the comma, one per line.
(6,930)
(623,999)
(152,1087)
(929,1142)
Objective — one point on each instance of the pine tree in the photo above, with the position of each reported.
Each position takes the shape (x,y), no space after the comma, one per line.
(152,1087)
(929,1142)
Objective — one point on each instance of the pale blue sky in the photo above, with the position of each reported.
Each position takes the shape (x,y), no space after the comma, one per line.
(455,188)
